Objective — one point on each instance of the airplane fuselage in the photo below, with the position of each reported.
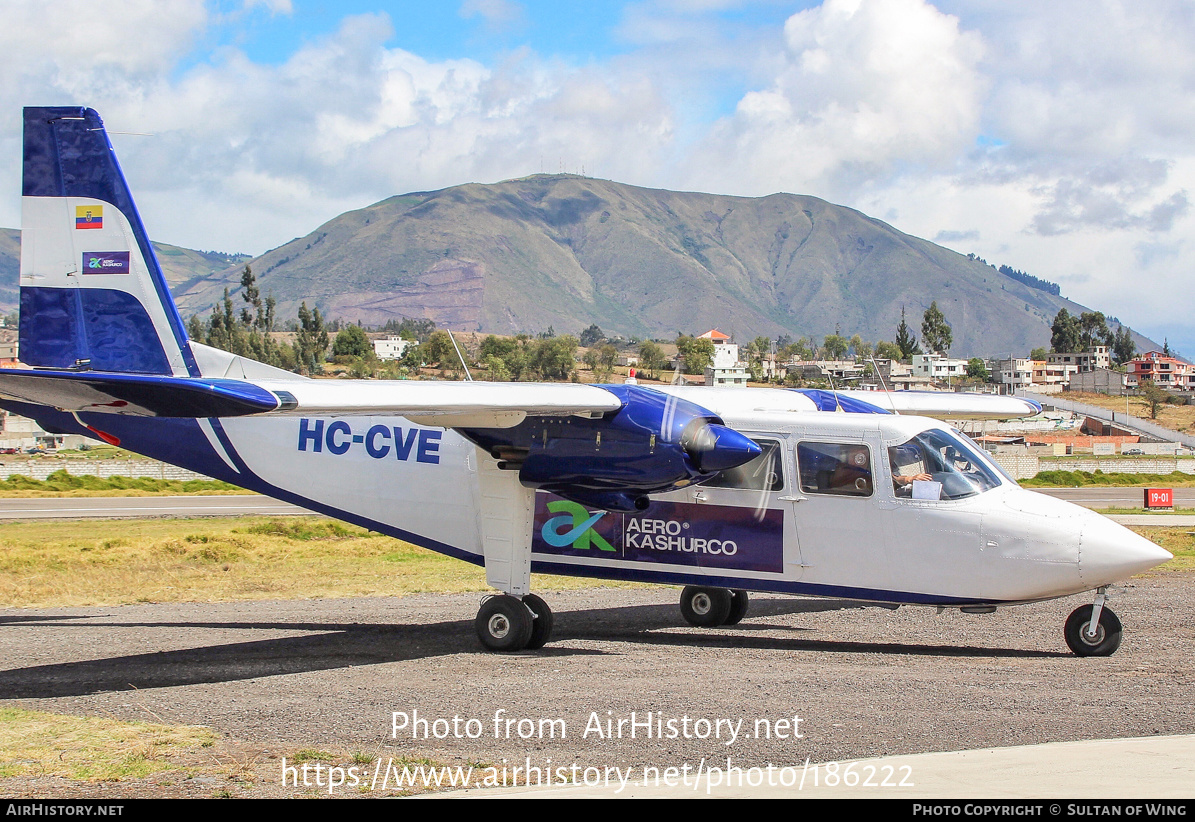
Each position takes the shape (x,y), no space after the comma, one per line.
(800,528)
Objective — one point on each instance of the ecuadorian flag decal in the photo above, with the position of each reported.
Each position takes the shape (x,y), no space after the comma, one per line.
(91,216)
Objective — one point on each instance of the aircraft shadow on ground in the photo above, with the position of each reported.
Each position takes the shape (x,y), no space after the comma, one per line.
(343,645)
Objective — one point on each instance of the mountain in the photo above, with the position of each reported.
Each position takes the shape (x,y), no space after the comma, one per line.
(565,251)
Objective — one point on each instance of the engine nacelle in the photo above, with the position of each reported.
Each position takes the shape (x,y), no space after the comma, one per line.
(654,443)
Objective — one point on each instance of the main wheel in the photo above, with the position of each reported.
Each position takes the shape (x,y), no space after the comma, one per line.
(705,607)
(1107,633)
(503,623)
(541,625)
(738,607)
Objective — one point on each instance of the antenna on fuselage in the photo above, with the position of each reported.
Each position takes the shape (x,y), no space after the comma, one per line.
(468,376)
(834,391)
(880,377)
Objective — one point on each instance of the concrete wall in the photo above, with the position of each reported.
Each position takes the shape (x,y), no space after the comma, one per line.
(1024,466)
(39,469)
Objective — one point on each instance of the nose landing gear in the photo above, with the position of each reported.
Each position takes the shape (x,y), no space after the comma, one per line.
(1093,630)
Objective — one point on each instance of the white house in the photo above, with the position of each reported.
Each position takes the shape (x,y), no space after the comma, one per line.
(391,348)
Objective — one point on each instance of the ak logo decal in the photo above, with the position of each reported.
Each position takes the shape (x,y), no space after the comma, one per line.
(106,262)
(574,527)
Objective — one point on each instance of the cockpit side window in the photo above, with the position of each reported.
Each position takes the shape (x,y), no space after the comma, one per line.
(843,469)
(938,465)
(764,473)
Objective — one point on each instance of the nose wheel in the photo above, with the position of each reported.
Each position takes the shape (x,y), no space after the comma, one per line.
(1093,630)
(506,623)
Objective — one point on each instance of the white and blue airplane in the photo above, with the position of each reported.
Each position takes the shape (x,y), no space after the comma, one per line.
(720,490)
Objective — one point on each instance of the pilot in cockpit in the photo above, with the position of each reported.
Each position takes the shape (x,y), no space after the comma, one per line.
(908,466)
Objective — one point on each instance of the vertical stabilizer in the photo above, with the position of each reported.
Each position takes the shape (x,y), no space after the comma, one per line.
(92,294)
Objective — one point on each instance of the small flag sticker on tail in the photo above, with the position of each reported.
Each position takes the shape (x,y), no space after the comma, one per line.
(91,216)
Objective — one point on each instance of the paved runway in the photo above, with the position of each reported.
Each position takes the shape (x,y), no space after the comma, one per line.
(251,504)
(1149,768)
(136,507)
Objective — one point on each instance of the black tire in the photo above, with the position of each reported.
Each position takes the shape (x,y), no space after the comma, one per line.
(705,607)
(739,603)
(503,624)
(1107,635)
(541,624)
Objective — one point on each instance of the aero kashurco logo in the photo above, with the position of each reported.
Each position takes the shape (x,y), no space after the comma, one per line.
(579,522)
(106,262)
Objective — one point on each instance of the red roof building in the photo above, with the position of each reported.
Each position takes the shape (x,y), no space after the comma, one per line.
(1165,372)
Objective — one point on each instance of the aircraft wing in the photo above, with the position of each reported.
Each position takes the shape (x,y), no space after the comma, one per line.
(447,404)
(947,405)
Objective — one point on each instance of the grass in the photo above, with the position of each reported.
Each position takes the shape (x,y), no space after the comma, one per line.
(89,749)
(117,562)
(62,484)
(93,749)
(1083,479)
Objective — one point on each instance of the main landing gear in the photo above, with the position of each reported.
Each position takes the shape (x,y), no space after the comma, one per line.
(506,623)
(1093,630)
(710,607)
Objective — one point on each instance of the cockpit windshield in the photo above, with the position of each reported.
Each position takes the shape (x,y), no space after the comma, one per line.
(938,464)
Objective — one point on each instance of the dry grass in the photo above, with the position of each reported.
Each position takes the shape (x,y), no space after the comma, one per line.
(34,743)
(46,754)
(1174,417)
(118,562)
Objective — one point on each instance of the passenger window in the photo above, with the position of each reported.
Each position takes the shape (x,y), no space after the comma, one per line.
(764,473)
(835,468)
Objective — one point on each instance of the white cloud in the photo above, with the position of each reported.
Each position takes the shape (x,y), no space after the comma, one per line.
(497,14)
(1052,137)
(866,87)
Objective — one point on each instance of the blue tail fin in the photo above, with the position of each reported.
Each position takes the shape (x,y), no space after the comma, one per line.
(92,294)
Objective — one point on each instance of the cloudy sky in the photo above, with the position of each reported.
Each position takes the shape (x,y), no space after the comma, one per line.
(1056,137)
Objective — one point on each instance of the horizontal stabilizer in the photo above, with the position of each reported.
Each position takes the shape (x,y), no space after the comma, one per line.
(446,404)
(137,394)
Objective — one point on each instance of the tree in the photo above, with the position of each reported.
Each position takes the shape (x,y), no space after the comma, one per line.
(195,329)
(591,336)
(836,346)
(1093,331)
(696,352)
(352,342)
(887,350)
(439,350)
(1064,333)
(1123,347)
(553,359)
(1039,353)
(311,344)
(1154,396)
(935,330)
(906,341)
(252,295)
(976,370)
(651,358)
